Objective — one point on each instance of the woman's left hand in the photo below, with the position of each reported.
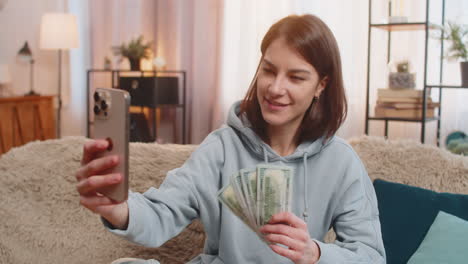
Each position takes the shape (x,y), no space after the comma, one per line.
(287,229)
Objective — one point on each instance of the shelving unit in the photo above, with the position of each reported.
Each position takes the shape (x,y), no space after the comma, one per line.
(425,26)
(116,75)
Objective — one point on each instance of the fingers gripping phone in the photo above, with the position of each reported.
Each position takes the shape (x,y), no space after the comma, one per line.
(111,122)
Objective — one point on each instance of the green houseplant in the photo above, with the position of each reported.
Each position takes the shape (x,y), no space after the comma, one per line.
(457,35)
(134,51)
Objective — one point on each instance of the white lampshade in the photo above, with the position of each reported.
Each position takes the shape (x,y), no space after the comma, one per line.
(4,74)
(58,31)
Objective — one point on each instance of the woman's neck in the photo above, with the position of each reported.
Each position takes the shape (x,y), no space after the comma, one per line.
(283,140)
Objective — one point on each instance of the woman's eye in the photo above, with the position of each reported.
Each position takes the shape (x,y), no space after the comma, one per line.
(297,78)
(267,70)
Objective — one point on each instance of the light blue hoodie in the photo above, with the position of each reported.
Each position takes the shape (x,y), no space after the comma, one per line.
(331,187)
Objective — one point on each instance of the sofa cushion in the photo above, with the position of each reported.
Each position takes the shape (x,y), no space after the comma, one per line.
(407,212)
(444,243)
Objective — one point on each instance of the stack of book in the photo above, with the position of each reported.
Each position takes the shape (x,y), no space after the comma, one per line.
(403,103)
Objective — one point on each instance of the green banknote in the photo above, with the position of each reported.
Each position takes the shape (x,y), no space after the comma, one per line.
(240,191)
(255,195)
(274,185)
(249,182)
(227,196)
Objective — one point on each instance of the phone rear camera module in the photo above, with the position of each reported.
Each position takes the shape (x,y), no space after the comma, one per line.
(96,96)
(97,110)
(104,105)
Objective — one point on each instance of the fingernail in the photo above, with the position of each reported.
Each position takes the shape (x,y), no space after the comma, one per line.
(115,159)
(116,177)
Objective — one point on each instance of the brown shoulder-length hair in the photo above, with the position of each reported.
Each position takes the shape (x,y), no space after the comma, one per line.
(314,41)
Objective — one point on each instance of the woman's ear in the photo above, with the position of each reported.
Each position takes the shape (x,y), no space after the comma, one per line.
(321,85)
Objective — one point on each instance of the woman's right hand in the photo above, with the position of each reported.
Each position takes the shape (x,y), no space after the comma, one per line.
(90,178)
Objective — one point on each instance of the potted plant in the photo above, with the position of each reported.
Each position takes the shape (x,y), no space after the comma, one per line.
(458,36)
(134,51)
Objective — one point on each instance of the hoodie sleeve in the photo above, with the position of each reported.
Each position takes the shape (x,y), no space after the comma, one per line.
(160,214)
(355,222)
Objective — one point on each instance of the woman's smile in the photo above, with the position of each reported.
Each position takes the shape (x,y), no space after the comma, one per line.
(274,106)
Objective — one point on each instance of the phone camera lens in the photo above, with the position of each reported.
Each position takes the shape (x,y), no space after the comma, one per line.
(96,96)
(97,110)
(104,105)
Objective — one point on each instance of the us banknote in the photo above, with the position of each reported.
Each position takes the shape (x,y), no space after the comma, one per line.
(275,188)
(255,195)
(227,196)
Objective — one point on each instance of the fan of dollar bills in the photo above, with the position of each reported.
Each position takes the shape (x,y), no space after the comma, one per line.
(254,195)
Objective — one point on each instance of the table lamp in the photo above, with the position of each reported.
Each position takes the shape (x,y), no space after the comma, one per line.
(59,31)
(25,54)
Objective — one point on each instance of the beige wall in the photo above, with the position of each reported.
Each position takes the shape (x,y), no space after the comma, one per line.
(19,22)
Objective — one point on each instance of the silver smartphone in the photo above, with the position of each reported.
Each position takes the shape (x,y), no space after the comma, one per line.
(111,122)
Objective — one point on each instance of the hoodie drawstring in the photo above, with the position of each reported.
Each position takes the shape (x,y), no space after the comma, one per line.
(265,155)
(306,205)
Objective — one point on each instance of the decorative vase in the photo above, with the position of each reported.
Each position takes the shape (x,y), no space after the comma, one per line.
(134,64)
(464,73)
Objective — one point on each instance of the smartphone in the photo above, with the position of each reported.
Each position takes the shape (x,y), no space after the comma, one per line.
(111,122)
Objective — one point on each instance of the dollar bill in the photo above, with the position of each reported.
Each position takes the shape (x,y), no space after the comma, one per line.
(241,193)
(227,196)
(249,182)
(255,195)
(274,185)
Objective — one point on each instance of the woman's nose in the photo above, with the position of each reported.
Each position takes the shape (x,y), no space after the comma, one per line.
(277,87)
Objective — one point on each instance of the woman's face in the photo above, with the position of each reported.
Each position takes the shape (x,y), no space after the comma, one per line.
(286,85)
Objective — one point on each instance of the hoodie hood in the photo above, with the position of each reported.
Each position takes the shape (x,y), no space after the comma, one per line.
(242,125)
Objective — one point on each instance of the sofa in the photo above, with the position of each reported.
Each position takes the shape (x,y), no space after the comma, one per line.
(42,221)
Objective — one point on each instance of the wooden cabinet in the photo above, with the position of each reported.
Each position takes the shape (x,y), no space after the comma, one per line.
(25,119)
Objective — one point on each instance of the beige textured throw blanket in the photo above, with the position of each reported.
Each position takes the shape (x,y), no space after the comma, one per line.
(42,222)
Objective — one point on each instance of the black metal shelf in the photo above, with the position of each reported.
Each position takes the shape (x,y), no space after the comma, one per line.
(427,119)
(444,86)
(411,26)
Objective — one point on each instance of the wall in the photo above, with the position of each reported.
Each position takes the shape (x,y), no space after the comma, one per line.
(19,22)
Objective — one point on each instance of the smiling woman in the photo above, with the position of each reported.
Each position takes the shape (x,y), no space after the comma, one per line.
(285,125)
(300,61)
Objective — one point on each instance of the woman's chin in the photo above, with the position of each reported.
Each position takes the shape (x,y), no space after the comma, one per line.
(274,120)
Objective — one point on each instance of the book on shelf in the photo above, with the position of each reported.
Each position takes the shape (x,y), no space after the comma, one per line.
(400,93)
(413,100)
(407,105)
(403,113)
(403,103)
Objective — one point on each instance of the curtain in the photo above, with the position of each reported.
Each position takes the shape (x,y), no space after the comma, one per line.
(245,22)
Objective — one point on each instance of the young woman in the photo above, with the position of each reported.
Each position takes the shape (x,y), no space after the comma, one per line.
(290,114)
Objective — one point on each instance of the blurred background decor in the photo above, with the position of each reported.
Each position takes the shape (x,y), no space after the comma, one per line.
(59,31)
(457,143)
(457,35)
(400,77)
(25,55)
(134,51)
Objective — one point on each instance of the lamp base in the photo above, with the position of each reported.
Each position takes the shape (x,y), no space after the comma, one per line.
(32,93)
